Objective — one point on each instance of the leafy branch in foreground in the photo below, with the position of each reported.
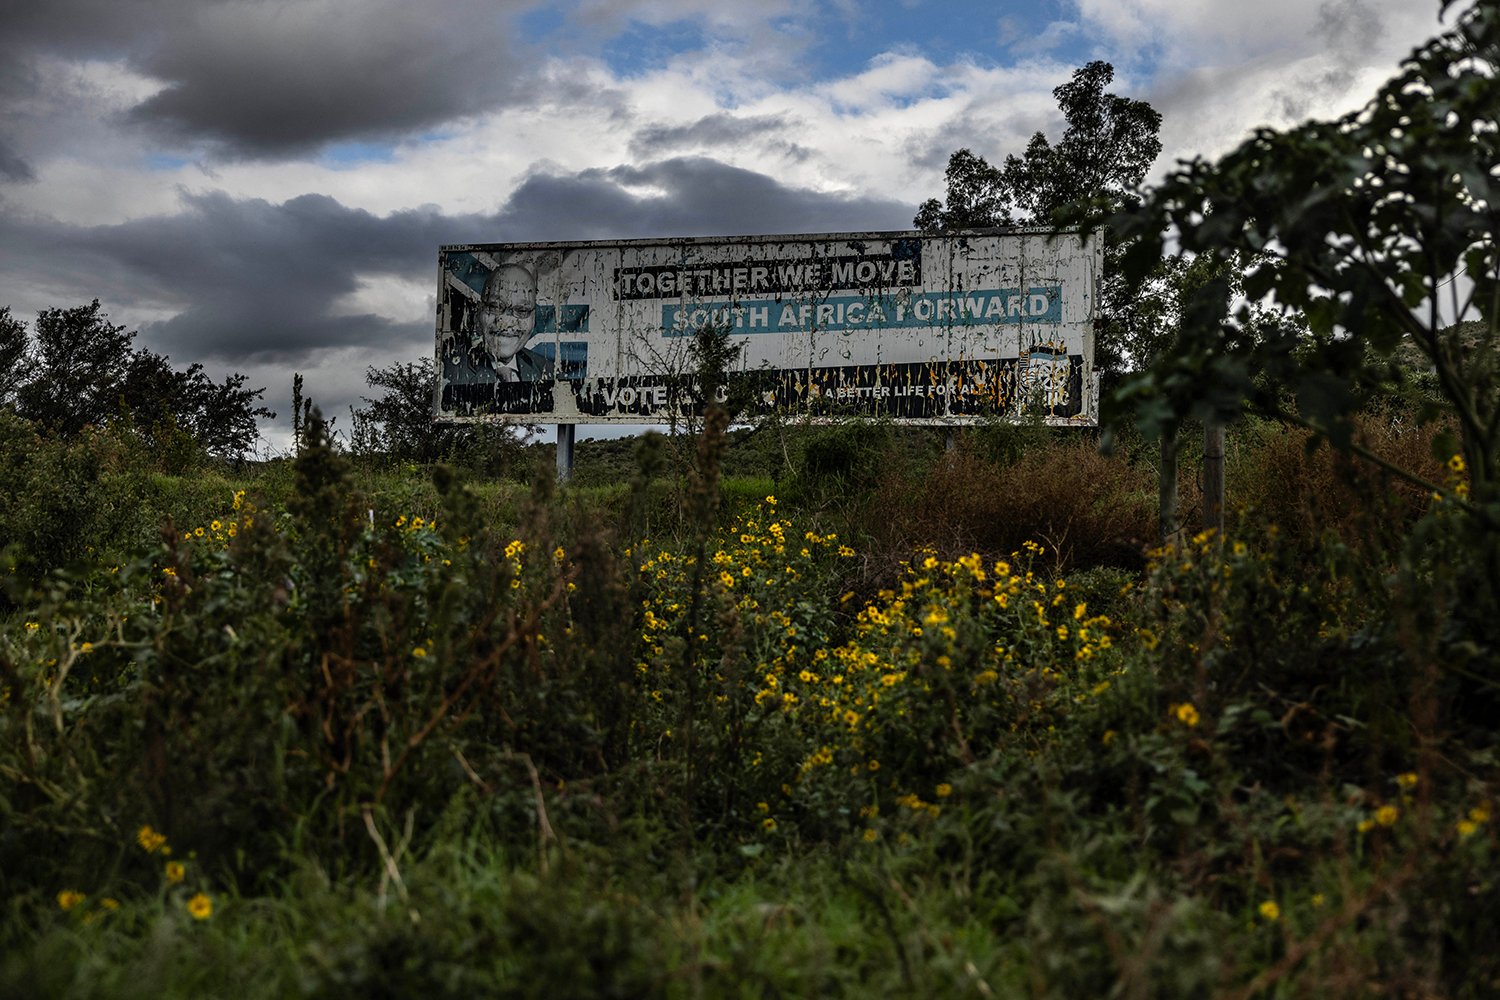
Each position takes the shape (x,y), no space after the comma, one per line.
(1378,228)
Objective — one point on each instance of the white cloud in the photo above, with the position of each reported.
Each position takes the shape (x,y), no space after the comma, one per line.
(389,295)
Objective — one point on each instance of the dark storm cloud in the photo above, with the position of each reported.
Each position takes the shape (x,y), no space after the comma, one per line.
(266,79)
(689,196)
(259,283)
(716,130)
(255,281)
(12,166)
(273,80)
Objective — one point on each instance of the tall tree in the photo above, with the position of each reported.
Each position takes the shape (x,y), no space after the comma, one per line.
(1095,169)
(15,360)
(1101,160)
(80,369)
(80,359)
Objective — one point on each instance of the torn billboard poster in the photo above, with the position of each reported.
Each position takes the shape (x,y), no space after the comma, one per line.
(994,324)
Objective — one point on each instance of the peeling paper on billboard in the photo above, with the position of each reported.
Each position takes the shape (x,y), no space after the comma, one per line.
(914,328)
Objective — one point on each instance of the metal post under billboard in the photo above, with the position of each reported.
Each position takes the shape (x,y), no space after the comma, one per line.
(919,329)
(565,433)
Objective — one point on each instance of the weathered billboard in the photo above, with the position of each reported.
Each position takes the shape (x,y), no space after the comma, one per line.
(906,326)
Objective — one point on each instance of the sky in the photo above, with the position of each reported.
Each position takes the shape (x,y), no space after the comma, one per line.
(262,185)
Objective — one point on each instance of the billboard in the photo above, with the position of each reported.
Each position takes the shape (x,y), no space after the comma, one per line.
(915,328)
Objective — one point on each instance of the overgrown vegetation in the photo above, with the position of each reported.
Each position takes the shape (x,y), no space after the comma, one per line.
(882,717)
(521,743)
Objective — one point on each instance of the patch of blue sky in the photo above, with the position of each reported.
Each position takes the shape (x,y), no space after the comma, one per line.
(540,22)
(839,40)
(986,32)
(641,48)
(166,161)
(349,154)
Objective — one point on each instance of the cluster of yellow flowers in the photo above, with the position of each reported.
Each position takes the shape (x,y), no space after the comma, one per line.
(958,626)
(200,905)
(221,531)
(1458,479)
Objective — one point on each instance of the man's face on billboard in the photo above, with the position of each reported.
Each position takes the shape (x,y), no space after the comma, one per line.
(506,311)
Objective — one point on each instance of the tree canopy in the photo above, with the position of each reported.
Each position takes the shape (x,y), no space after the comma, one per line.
(1095,169)
(1102,158)
(76,369)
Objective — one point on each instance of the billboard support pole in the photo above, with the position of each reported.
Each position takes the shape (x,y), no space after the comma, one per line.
(1166,493)
(1213,478)
(565,451)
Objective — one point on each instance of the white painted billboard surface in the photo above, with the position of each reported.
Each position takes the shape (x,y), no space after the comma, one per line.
(916,328)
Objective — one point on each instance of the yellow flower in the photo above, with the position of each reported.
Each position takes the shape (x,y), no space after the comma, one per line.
(215,526)
(69,898)
(1480,813)
(109,903)
(1407,780)
(871,835)
(769,823)
(175,871)
(1467,827)
(1456,463)
(770,501)
(1365,825)
(419,652)
(1317,900)
(1187,714)
(944,790)
(198,532)
(764,807)
(201,906)
(1387,815)
(1270,911)
(150,840)
(1108,737)
(873,765)
(32,626)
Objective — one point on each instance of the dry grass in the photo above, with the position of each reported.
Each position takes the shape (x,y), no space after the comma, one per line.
(1086,508)
(1281,476)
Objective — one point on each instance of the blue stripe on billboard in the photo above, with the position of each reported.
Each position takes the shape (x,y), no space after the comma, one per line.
(994,307)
